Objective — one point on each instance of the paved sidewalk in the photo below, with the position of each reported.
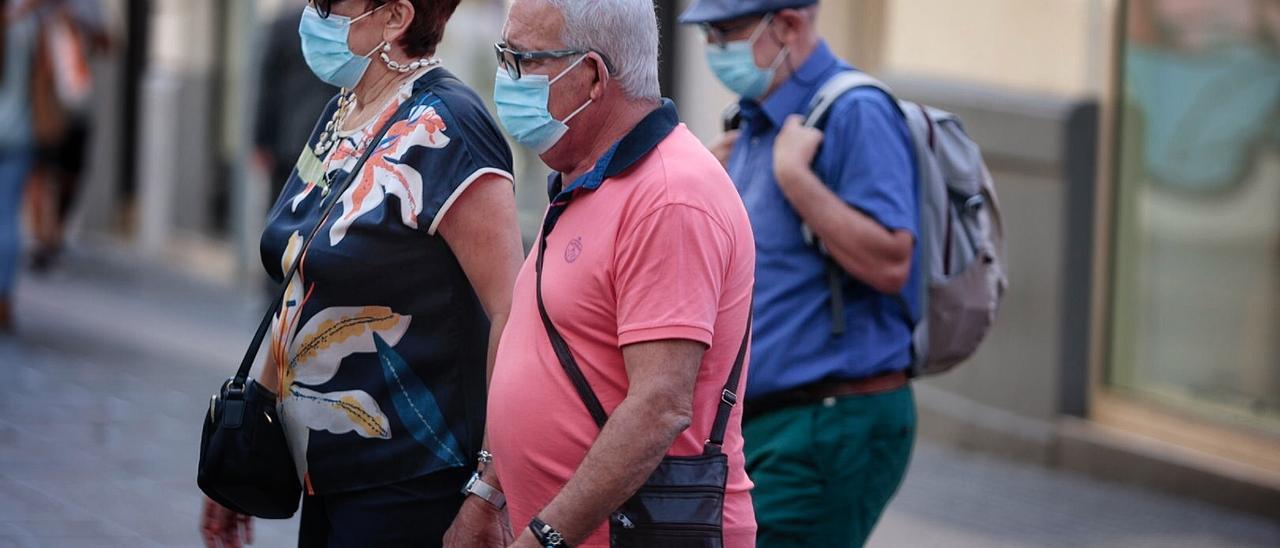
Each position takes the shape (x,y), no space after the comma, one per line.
(111,373)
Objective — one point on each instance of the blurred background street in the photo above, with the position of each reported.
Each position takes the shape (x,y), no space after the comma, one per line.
(1129,394)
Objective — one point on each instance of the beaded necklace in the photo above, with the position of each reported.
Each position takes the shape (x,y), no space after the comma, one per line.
(347,100)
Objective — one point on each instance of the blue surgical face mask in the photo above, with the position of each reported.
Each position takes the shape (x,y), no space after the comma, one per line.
(522,108)
(734,64)
(324,45)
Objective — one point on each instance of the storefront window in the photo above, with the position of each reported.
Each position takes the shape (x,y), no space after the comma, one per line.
(1196,308)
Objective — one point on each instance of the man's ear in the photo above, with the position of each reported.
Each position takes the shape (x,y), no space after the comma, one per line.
(602,76)
(787,23)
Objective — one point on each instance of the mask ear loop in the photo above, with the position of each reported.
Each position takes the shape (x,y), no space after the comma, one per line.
(759,32)
(366,14)
(584,105)
(764,24)
(575,113)
(567,69)
(381,45)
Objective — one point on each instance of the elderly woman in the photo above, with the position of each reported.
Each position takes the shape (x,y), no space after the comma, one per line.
(386,334)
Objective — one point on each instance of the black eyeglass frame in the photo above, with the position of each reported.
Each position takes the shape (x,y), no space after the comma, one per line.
(510,59)
(325,7)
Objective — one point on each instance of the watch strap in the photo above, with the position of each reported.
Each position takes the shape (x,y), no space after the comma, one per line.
(490,494)
(547,536)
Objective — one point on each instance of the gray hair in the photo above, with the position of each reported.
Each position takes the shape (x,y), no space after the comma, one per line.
(624,31)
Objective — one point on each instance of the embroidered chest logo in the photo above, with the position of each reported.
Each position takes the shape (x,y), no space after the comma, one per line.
(573,250)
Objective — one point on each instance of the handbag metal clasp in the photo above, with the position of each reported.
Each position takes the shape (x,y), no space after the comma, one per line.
(213,406)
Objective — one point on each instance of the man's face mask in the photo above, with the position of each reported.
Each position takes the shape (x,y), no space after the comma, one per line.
(523,108)
(734,64)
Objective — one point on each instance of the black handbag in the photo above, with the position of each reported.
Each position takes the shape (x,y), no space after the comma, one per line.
(681,504)
(245,461)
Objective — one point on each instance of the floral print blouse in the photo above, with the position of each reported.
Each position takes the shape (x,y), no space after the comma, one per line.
(382,337)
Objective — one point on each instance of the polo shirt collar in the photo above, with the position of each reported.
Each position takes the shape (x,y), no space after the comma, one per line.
(793,95)
(642,139)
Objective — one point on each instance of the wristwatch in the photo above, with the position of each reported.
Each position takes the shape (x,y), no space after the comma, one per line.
(548,536)
(488,493)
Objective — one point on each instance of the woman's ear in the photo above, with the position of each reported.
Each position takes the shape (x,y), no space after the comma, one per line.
(399,16)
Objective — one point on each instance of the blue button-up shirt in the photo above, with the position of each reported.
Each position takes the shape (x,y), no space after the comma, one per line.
(868,160)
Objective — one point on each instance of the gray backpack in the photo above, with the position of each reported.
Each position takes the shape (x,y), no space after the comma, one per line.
(961,239)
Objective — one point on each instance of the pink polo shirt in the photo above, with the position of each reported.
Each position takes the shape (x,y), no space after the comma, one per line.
(661,251)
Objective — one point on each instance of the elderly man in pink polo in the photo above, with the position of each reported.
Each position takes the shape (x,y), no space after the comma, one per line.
(637,296)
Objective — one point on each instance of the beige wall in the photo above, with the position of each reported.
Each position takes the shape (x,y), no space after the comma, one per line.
(1057,47)
(1052,46)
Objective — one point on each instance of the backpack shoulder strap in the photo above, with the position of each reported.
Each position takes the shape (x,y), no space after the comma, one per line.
(835,88)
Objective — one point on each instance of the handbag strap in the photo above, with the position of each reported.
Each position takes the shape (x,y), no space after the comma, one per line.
(421,86)
(728,395)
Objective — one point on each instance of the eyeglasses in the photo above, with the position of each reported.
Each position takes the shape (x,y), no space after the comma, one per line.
(325,7)
(511,60)
(719,33)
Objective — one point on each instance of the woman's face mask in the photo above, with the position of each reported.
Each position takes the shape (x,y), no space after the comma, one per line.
(734,64)
(324,45)
(523,108)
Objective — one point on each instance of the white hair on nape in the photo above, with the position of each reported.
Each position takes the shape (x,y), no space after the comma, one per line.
(624,31)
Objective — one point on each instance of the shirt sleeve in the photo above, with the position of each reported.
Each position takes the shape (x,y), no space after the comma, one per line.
(874,168)
(449,144)
(669,273)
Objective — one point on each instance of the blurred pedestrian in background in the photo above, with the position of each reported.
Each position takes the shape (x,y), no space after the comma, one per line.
(386,332)
(16,146)
(830,415)
(289,99)
(71,31)
(648,270)
(4,7)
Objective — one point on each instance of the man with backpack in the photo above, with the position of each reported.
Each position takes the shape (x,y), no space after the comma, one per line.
(830,416)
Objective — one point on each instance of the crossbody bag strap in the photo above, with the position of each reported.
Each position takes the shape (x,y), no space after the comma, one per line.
(728,396)
(242,374)
(563,354)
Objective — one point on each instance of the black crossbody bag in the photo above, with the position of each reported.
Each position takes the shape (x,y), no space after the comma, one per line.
(681,504)
(245,462)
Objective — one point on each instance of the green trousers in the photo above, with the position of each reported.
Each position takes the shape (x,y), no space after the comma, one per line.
(824,472)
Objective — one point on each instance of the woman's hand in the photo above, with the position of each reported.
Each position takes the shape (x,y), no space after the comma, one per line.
(479,525)
(224,528)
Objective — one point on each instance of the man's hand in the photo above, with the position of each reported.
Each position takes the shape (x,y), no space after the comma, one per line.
(224,528)
(877,256)
(723,146)
(526,540)
(478,525)
(793,151)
